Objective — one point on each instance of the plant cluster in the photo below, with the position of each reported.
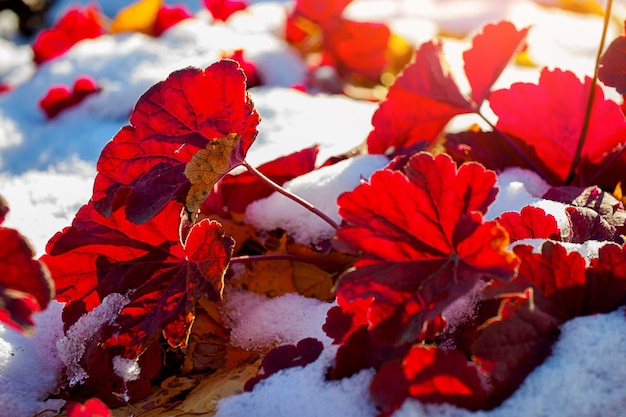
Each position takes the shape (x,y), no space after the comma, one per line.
(164,227)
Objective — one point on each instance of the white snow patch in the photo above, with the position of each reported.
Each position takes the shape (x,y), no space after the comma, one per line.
(72,346)
(320,188)
(127,369)
(258,321)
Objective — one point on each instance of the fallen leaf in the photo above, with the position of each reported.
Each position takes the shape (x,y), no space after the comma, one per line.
(139,16)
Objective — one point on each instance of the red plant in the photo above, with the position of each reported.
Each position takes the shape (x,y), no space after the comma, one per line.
(25,284)
(60,98)
(74,26)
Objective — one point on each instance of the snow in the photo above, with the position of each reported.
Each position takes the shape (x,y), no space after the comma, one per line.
(47,170)
(321,188)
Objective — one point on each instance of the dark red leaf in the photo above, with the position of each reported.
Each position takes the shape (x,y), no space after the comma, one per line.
(168,16)
(419,104)
(414,266)
(512,344)
(223,9)
(75,25)
(531,222)
(491,51)
(548,116)
(92,408)
(611,209)
(25,284)
(586,224)
(143,167)
(303,353)
(612,68)
(60,98)
(234,192)
(430,375)
(167,273)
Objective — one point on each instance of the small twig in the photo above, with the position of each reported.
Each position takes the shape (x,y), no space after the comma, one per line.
(272,257)
(594,81)
(289,195)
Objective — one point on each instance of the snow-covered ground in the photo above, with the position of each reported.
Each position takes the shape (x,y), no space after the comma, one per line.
(47,169)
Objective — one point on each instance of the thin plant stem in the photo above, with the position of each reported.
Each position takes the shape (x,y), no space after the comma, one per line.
(291,196)
(272,257)
(594,81)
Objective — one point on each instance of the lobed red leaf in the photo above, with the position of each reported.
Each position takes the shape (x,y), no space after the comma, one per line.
(491,51)
(419,104)
(612,68)
(142,168)
(412,267)
(530,223)
(548,117)
(167,273)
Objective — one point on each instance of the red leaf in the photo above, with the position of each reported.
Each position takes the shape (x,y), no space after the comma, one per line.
(414,266)
(430,375)
(253,78)
(60,98)
(303,353)
(92,408)
(25,285)
(491,51)
(75,25)
(324,12)
(143,167)
(223,9)
(234,192)
(359,49)
(586,224)
(573,288)
(167,17)
(98,256)
(512,344)
(531,222)
(612,68)
(419,104)
(549,117)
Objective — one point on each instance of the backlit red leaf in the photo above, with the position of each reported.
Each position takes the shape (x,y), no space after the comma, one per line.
(491,51)
(431,375)
(223,9)
(143,167)
(414,266)
(60,98)
(612,68)
(25,284)
(574,288)
(75,25)
(419,104)
(530,223)
(167,273)
(548,116)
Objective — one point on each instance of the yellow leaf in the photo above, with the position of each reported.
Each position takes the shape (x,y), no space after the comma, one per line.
(206,167)
(312,281)
(137,17)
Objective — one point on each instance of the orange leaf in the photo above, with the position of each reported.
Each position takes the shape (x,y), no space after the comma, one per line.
(206,167)
(137,17)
